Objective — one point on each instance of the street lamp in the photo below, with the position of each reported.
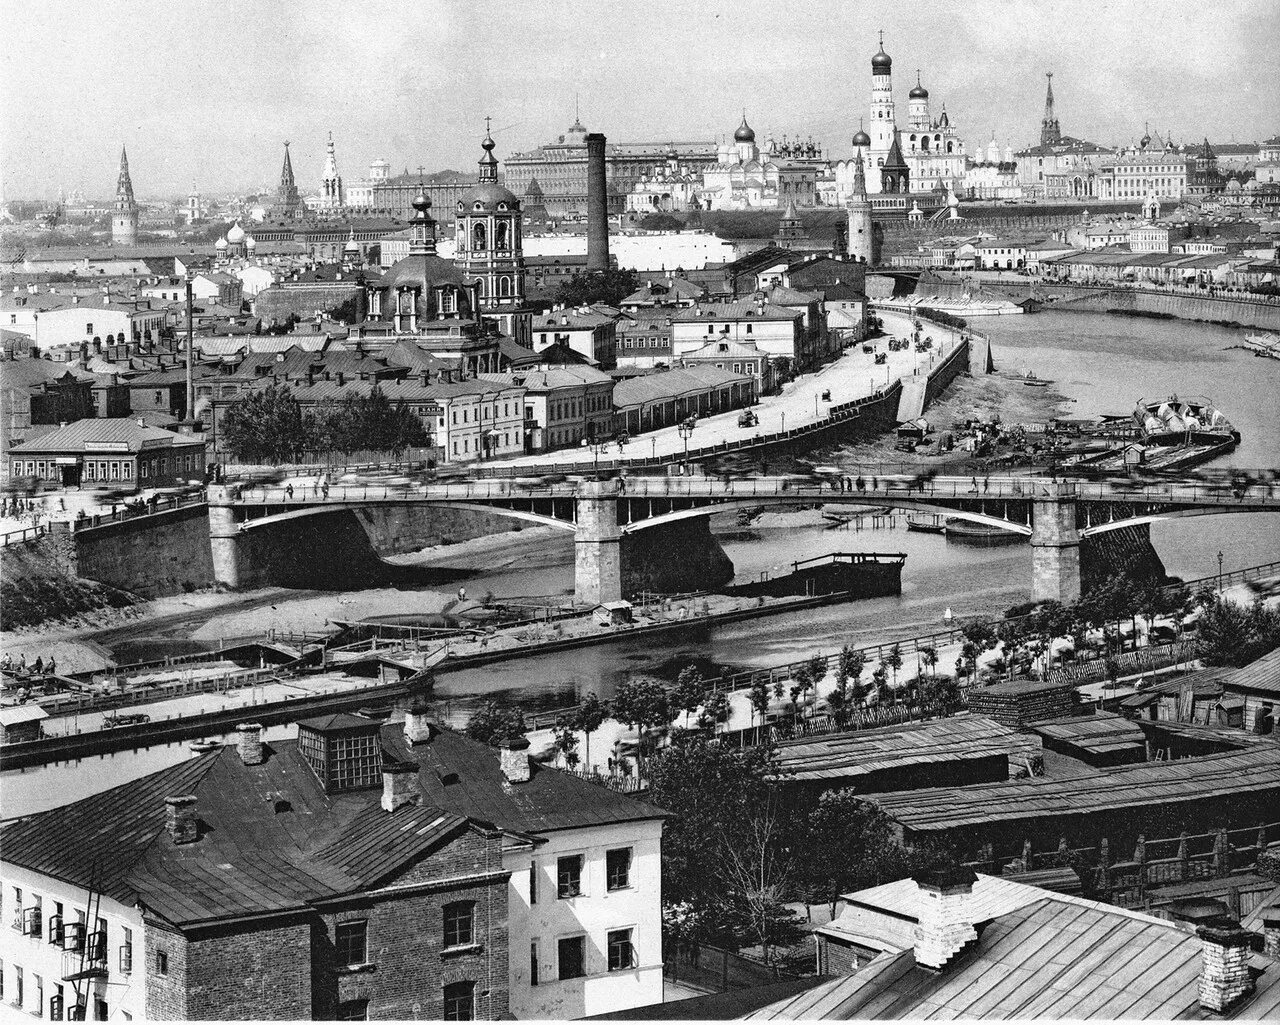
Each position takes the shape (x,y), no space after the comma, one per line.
(1219,573)
(686,432)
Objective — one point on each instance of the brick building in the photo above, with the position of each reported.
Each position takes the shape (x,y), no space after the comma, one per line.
(361,870)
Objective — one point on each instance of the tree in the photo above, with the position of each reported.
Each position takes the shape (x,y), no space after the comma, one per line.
(566,745)
(609,287)
(894,662)
(642,704)
(496,722)
(759,697)
(1231,634)
(690,691)
(715,712)
(849,844)
(266,426)
(591,713)
(880,685)
(929,656)
(757,871)
(852,662)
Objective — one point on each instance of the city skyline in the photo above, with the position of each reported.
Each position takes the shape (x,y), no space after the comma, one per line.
(207,94)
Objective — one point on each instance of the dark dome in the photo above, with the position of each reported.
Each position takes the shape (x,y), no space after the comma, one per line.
(881,63)
(744,132)
(861,138)
(918,92)
(422,272)
(489,195)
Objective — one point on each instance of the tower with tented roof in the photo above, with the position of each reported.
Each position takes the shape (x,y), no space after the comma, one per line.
(288,203)
(124,220)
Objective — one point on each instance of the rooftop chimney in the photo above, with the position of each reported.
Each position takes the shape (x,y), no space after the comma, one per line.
(399,785)
(1271,931)
(944,914)
(180,818)
(514,756)
(1224,963)
(597,206)
(417,727)
(249,743)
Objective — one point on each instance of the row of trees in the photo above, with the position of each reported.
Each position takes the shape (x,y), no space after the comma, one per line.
(271,426)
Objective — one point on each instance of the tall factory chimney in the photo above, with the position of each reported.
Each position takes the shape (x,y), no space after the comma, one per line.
(597,206)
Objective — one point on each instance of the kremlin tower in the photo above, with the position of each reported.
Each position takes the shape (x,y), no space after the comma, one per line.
(124,220)
(288,204)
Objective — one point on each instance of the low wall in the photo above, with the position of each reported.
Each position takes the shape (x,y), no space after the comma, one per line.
(152,556)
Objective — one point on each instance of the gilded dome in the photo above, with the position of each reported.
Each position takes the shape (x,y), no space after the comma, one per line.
(744,133)
(881,63)
(861,138)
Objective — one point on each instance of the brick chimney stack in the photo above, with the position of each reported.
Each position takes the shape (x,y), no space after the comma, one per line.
(945,919)
(1224,964)
(180,820)
(1271,931)
(399,785)
(417,726)
(249,743)
(514,757)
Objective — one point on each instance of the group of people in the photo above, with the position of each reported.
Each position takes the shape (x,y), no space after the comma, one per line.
(37,668)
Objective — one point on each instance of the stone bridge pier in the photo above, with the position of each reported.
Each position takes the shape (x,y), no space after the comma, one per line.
(597,572)
(224,537)
(1055,544)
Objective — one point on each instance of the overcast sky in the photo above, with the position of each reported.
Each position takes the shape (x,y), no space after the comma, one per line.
(207,91)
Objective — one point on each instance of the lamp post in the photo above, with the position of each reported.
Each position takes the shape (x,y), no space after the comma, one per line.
(1219,574)
(686,432)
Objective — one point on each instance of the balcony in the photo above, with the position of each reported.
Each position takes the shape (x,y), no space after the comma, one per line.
(89,962)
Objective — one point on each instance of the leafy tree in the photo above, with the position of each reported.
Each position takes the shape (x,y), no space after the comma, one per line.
(588,718)
(852,662)
(879,684)
(894,662)
(715,712)
(609,287)
(929,656)
(1231,634)
(265,426)
(848,844)
(690,691)
(496,722)
(661,222)
(566,745)
(642,704)
(759,697)
(757,873)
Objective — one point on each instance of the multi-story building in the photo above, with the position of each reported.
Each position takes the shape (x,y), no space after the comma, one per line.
(564,406)
(101,317)
(777,331)
(1060,166)
(121,452)
(35,392)
(644,338)
(1137,174)
(584,330)
(560,169)
(363,870)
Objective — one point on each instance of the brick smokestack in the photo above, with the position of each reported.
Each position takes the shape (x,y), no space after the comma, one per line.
(597,206)
(944,916)
(1225,978)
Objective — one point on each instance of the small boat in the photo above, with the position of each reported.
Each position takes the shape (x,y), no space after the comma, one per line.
(205,746)
(969,532)
(1031,381)
(1190,421)
(926,527)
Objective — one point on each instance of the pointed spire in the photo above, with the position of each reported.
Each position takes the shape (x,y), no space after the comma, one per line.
(859,180)
(124,185)
(1050,132)
(422,226)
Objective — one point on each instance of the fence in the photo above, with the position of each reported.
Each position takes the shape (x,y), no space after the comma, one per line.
(1143,660)
(714,969)
(24,535)
(1167,861)
(74,704)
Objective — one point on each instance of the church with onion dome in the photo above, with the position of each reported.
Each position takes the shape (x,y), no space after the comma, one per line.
(930,148)
(745,178)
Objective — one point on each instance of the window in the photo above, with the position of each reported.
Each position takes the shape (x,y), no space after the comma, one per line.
(533,963)
(37,988)
(100,1009)
(459,923)
(460,1001)
(618,868)
(353,1010)
(622,954)
(572,957)
(162,962)
(350,939)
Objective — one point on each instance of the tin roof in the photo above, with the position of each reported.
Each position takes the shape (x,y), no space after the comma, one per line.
(80,435)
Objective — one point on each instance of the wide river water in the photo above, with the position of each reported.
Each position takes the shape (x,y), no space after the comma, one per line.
(1104,363)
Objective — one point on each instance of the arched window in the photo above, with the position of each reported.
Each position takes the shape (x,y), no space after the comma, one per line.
(479,237)
(949,145)
(502,236)
(504,286)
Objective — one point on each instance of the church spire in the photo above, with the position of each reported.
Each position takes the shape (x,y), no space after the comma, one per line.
(488,162)
(1050,133)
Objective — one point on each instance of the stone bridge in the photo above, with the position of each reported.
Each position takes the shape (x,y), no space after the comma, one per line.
(1054,514)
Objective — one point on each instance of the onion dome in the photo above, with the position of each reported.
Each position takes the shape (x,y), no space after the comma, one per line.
(744,132)
(250,243)
(861,138)
(236,235)
(918,92)
(221,244)
(881,63)
(352,246)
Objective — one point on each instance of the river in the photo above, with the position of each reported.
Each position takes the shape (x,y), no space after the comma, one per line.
(1104,363)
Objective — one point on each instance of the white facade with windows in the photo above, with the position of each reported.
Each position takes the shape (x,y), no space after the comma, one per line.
(45,937)
(586,921)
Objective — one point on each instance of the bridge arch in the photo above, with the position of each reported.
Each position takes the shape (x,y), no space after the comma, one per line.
(480,507)
(1171,514)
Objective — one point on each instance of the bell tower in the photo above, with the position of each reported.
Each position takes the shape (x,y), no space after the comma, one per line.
(124,220)
(490,248)
(859,237)
(882,121)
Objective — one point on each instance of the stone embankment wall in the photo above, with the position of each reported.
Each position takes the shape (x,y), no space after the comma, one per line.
(166,553)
